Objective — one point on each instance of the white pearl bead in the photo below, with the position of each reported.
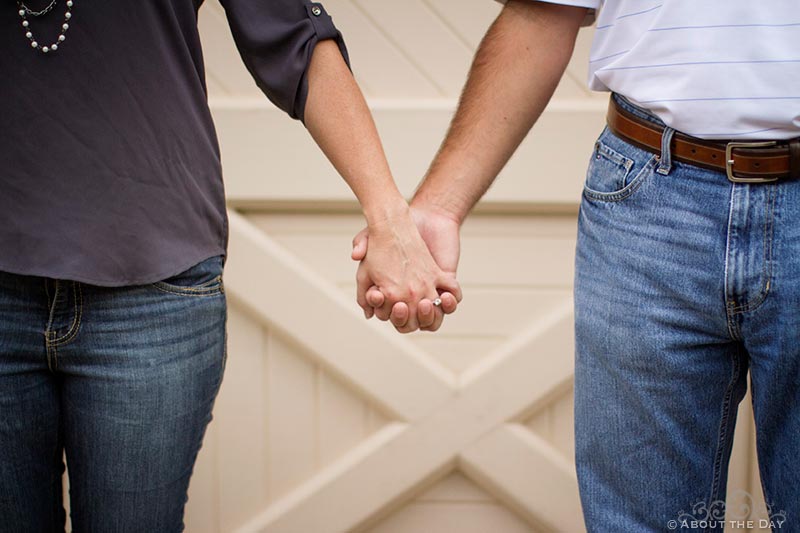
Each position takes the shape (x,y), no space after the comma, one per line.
(65,27)
(21,12)
(29,35)
(54,47)
(67,15)
(61,38)
(69,3)
(25,23)
(45,49)
(34,44)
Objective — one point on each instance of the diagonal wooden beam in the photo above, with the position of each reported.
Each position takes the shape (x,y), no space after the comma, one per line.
(528,475)
(278,289)
(528,369)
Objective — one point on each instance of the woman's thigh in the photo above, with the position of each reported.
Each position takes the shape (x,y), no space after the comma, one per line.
(31,453)
(140,379)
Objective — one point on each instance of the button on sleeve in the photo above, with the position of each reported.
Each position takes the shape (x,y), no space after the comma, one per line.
(276,39)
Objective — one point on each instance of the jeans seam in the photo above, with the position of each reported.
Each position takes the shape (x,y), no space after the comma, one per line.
(766,270)
(76,321)
(724,434)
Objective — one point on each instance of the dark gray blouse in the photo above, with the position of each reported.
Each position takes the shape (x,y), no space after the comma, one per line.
(109,162)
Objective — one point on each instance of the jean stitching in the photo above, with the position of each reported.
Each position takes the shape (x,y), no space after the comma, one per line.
(212,286)
(49,335)
(52,352)
(724,430)
(628,190)
(766,270)
(76,321)
(191,291)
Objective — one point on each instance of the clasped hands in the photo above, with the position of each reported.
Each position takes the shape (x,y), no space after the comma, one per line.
(407,261)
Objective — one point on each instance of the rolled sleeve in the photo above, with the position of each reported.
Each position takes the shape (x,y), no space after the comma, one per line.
(276,39)
(593,5)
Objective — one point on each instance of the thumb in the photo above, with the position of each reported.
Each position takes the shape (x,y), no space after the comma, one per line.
(448,283)
(360,245)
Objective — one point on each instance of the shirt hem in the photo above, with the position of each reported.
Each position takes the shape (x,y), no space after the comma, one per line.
(141,280)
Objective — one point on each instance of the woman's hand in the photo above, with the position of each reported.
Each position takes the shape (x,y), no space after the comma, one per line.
(399,265)
(441,236)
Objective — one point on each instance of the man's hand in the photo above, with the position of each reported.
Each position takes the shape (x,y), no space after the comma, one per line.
(441,235)
(402,271)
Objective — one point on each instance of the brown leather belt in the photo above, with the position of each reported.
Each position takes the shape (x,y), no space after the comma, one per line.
(744,162)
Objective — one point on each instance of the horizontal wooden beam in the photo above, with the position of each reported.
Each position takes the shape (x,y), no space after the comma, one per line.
(268,157)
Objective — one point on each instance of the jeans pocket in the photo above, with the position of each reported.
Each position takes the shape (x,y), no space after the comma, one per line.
(202,279)
(616,169)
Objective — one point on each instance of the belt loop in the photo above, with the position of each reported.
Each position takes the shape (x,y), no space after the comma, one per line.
(665,164)
(794,159)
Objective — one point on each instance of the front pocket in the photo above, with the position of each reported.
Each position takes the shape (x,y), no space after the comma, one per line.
(612,176)
(202,279)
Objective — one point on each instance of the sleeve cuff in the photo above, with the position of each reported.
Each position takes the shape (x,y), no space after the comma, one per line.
(593,6)
(324,30)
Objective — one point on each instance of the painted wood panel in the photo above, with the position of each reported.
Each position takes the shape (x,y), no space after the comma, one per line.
(327,420)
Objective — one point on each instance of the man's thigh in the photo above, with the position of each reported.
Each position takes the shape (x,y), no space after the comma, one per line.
(140,383)
(658,376)
(770,329)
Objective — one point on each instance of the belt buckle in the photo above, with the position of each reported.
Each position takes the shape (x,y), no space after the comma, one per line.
(729,161)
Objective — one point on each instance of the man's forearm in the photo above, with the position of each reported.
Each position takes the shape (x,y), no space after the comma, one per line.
(515,72)
(339,120)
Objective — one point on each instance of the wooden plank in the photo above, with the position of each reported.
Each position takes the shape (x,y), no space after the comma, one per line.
(424,39)
(268,157)
(202,509)
(318,317)
(511,381)
(341,418)
(456,352)
(455,488)
(453,517)
(563,424)
(222,61)
(241,423)
(380,67)
(469,19)
(293,419)
(528,475)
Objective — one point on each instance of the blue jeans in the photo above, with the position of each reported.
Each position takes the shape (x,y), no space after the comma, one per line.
(121,378)
(684,282)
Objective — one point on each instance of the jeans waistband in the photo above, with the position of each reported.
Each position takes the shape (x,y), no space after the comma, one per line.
(636,110)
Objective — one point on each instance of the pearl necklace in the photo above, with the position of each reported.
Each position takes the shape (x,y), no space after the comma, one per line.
(25,12)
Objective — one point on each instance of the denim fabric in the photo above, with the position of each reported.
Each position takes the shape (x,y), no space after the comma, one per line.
(684,282)
(121,378)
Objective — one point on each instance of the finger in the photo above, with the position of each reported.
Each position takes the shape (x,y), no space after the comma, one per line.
(360,242)
(362,284)
(449,303)
(413,323)
(383,313)
(447,282)
(375,297)
(400,315)
(425,313)
(438,318)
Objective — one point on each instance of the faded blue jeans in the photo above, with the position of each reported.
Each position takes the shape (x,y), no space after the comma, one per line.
(123,379)
(684,282)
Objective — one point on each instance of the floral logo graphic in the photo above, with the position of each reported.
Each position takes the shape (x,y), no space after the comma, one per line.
(740,512)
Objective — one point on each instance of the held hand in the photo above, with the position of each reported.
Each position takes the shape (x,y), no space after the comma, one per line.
(441,235)
(401,267)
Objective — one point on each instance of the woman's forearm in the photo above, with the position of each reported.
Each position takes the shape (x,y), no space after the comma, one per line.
(340,122)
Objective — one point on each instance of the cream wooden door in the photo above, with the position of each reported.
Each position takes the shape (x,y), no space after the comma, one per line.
(329,423)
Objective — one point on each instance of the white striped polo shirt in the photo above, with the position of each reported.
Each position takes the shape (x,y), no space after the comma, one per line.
(714,69)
